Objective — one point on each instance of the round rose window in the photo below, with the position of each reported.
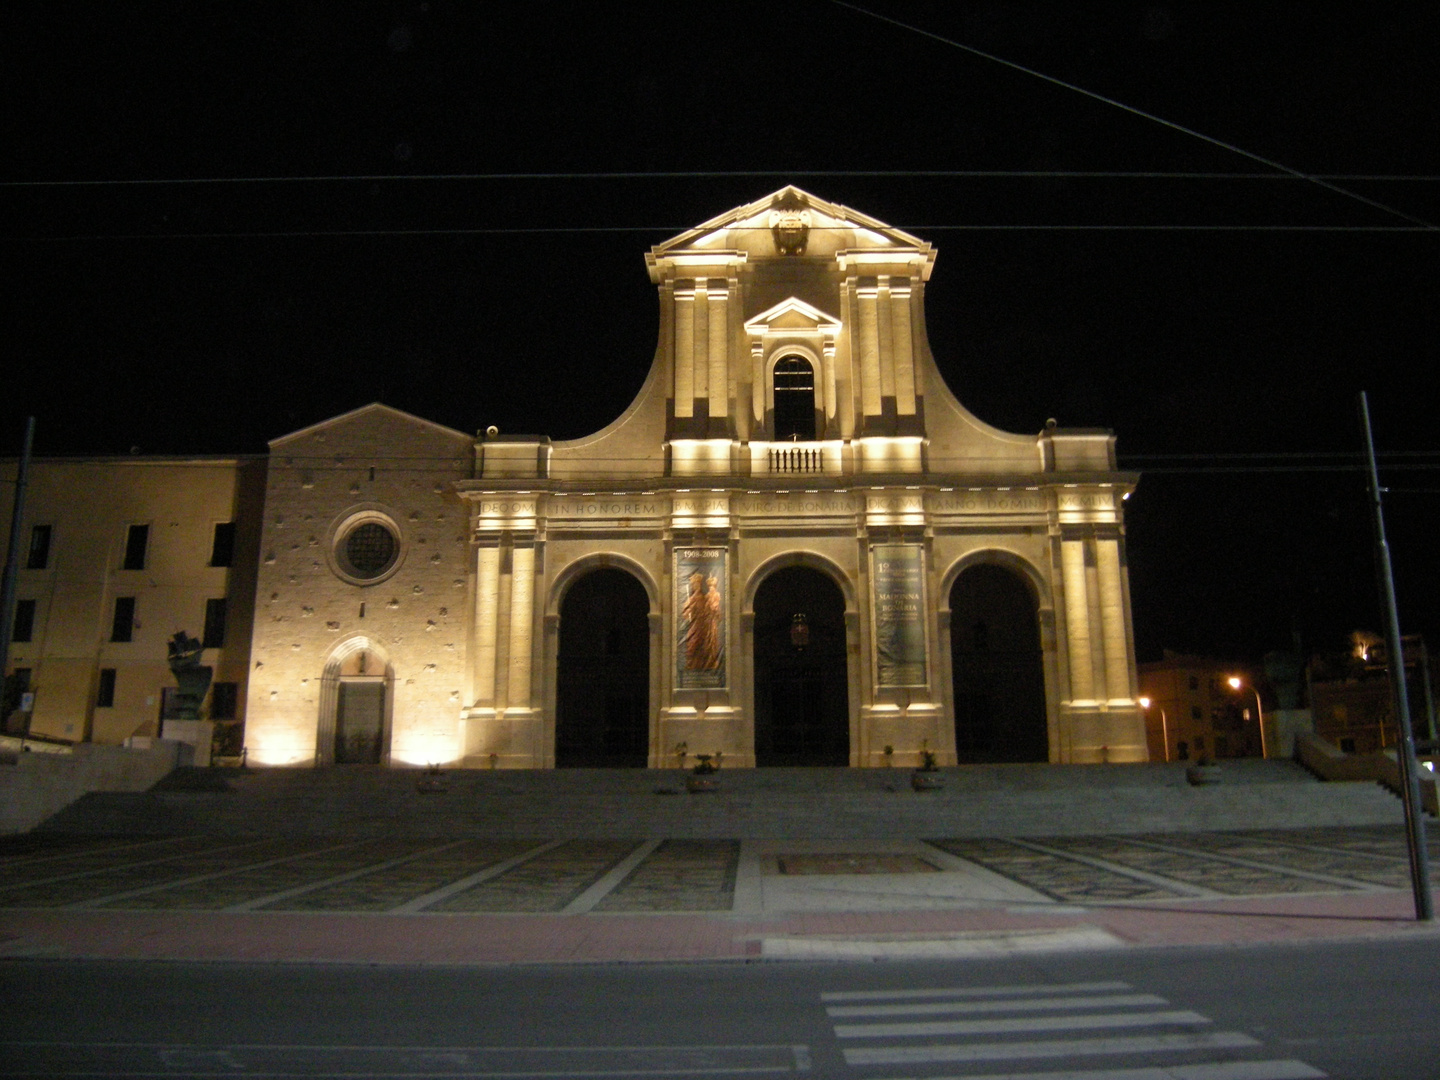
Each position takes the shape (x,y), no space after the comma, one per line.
(368,550)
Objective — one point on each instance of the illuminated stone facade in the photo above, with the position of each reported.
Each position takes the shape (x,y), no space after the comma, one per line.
(416,585)
(712,480)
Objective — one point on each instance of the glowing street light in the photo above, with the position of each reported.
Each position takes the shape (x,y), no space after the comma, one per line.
(1235,684)
(1164,727)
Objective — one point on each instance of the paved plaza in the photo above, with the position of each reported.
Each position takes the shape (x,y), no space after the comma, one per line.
(361,866)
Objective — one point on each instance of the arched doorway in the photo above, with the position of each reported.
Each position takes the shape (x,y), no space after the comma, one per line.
(602,709)
(998,668)
(355,706)
(802,706)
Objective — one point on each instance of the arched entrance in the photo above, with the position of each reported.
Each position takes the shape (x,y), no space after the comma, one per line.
(356,693)
(802,707)
(602,708)
(998,668)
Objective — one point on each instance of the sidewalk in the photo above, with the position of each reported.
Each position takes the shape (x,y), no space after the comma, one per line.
(787,901)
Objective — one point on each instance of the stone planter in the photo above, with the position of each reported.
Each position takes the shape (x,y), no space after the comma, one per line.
(1201,775)
(430,782)
(697,784)
(921,780)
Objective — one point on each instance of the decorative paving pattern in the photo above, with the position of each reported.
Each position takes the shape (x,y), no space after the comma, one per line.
(1193,867)
(255,882)
(388,888)
(1386,840)
(547,882)
(106,854)
(680,875)
(1353,865)
(142,870)
(1053,875)
(857,863)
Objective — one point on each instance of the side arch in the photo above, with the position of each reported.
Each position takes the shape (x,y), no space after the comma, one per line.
(1038,587)
(336,663)
(557,588)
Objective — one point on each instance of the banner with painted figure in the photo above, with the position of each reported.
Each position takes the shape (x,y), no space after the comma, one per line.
(899,614)
(700,612)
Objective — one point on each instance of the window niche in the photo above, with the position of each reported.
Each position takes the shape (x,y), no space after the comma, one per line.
(794,384)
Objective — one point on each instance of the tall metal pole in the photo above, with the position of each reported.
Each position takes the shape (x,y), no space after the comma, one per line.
(12,552)
(1409,769)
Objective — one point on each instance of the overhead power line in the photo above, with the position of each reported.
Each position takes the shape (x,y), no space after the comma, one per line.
(1313,178)
(677,229)
(714,174)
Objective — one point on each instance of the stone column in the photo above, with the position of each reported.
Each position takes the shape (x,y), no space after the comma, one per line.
(902,346)
(487,605)
(1077,620)
(869,344)
(719,342)
(522,610)
(1112,619)
(684,349)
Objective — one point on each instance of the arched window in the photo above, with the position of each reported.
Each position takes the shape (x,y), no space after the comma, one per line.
(794,400)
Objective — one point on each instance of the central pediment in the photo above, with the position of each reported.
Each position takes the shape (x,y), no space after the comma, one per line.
(793,315)
(790,223)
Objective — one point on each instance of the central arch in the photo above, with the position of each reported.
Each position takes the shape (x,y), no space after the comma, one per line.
(998,667)
(802,706)
(602,704)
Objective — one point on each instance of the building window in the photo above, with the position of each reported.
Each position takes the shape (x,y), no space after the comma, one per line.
(222,549)
(224,699)
(1194,682)
(1195,712)
(105,692)
(794,400)
(39,556)
(123,628)
(367,548)
(214,636)
(137,539)
(23,628)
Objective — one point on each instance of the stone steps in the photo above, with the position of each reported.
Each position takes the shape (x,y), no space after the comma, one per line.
(1002,800)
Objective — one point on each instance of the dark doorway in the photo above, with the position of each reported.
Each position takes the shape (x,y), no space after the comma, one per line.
(602,715)
(360,722)
(999,674)
(802,693)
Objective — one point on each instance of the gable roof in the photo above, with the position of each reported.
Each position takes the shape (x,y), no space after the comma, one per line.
(727,230)
(367,410)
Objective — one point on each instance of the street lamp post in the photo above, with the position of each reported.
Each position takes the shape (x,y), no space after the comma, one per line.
(1164,727)
(1235,684)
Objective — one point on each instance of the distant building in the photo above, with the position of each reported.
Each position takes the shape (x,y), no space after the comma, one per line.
(116,556)
(1351,700)
(1195,712)
(795,547)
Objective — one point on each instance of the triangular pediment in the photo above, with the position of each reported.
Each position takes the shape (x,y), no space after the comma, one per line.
(755,230)
(793,314)
(374,415)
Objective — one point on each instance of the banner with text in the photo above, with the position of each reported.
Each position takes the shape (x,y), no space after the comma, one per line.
(899,614)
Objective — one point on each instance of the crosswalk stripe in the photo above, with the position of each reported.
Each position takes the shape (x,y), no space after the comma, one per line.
(1021,1023)
(1011,1051)
(1215,1070)
(974,991)
(1087,1001)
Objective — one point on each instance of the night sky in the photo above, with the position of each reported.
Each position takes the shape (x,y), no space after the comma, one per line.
(210,317)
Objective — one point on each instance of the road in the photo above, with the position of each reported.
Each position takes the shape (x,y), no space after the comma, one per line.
(1355,1010)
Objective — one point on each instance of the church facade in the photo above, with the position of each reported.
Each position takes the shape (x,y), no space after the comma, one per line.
(795,547)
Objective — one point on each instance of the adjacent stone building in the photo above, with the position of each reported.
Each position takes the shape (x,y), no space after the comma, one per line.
(794,547)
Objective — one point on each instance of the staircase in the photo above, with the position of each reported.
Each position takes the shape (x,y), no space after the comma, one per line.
(778,803)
